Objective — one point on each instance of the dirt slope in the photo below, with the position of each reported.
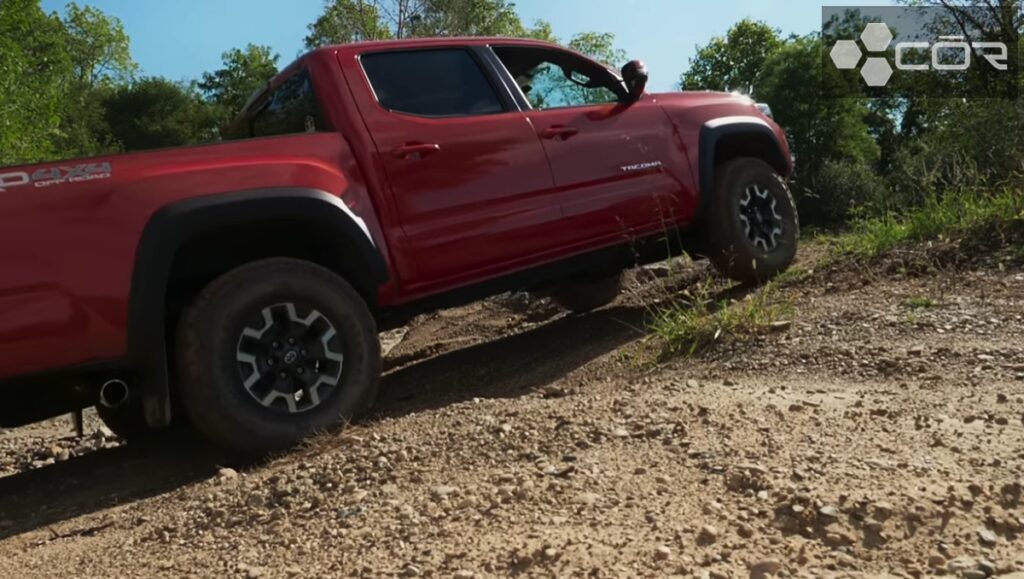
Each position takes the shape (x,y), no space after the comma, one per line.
(882,433)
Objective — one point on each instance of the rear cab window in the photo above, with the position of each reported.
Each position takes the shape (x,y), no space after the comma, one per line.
(292,108)
(435,83)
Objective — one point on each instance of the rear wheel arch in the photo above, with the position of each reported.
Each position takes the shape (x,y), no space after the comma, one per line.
(191,242)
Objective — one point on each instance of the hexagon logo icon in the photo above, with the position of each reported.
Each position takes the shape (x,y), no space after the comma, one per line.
(876,37)
(876,72)
(846,54)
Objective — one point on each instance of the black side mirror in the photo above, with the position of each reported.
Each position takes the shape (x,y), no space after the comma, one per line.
(635,75)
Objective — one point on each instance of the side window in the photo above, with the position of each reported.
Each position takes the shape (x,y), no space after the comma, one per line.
(292,108)
(431,83)
(552,79)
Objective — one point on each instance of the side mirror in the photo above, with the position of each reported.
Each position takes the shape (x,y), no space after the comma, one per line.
(635,75)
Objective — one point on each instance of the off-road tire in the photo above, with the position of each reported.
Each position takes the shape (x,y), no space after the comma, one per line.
(732,250)
(584,295)
(213,392)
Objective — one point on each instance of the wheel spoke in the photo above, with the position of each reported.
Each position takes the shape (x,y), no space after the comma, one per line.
(758,214)
(289,359)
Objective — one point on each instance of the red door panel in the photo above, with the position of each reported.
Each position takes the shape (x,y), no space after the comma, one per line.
(619,168)
(474,194)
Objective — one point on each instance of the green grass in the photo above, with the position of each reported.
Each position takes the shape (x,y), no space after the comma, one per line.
(696,321)
(950,216)
(919,303)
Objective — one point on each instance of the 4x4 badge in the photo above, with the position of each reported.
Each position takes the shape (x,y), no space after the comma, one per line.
(56,175)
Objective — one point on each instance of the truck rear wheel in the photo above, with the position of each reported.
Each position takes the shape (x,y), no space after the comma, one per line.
(584,295)
(275,351)
(752,225)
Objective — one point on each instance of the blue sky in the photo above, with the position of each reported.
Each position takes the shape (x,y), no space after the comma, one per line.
(181,39)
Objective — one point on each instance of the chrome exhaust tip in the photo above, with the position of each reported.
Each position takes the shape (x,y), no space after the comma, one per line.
(114,394)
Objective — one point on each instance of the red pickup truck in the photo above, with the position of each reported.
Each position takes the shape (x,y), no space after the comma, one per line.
(241,285)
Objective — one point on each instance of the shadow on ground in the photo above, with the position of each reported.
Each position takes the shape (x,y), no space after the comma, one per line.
(40,498)
(516,365)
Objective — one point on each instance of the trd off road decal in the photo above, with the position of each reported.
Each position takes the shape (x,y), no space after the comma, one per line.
(56,176)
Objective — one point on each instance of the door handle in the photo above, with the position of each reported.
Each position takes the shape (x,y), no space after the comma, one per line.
(559,132)
(419,150)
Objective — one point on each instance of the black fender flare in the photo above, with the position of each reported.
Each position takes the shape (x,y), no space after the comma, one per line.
(713,131)
(711,134)
(173,225)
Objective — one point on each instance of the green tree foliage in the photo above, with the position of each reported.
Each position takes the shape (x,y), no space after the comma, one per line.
(344,21)
(100,54)
(599,46)
(733,61)
(244,72)
(155,112)
(468,18)
(33,67)
(98,46)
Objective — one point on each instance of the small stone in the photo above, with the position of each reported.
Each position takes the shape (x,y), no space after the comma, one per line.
(662,553)
(744,530)
(708,534)
(443,491)
(411,570)
(974,574)
(781,326)
(936,561)
(227,474)
(764,568)
(588,499)
(620,433)
(730,382)
(463,574)
(960,564)
(988,567)
(829,512)
(987,537)
(691,383)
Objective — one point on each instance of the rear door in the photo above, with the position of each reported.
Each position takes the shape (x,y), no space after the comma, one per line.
(619,166)
(469,178)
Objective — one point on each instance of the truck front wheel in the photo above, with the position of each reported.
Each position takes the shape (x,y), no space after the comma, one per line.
(273,352)
(752,222)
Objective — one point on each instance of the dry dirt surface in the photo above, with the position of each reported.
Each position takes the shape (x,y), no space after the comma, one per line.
(880,433)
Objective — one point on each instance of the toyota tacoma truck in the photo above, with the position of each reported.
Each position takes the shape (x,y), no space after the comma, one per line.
(240,286)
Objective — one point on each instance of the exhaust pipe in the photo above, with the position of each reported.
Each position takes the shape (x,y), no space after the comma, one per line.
(114,394)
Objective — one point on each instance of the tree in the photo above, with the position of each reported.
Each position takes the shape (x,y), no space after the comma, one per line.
(344,21)
(599,46)
(33,67)
(155,112)
(468,18)
(100,50)
(732,62)
(243,73)
(100,55)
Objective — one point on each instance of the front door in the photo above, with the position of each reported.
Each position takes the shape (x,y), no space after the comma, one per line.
(618,164)
(468,175)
